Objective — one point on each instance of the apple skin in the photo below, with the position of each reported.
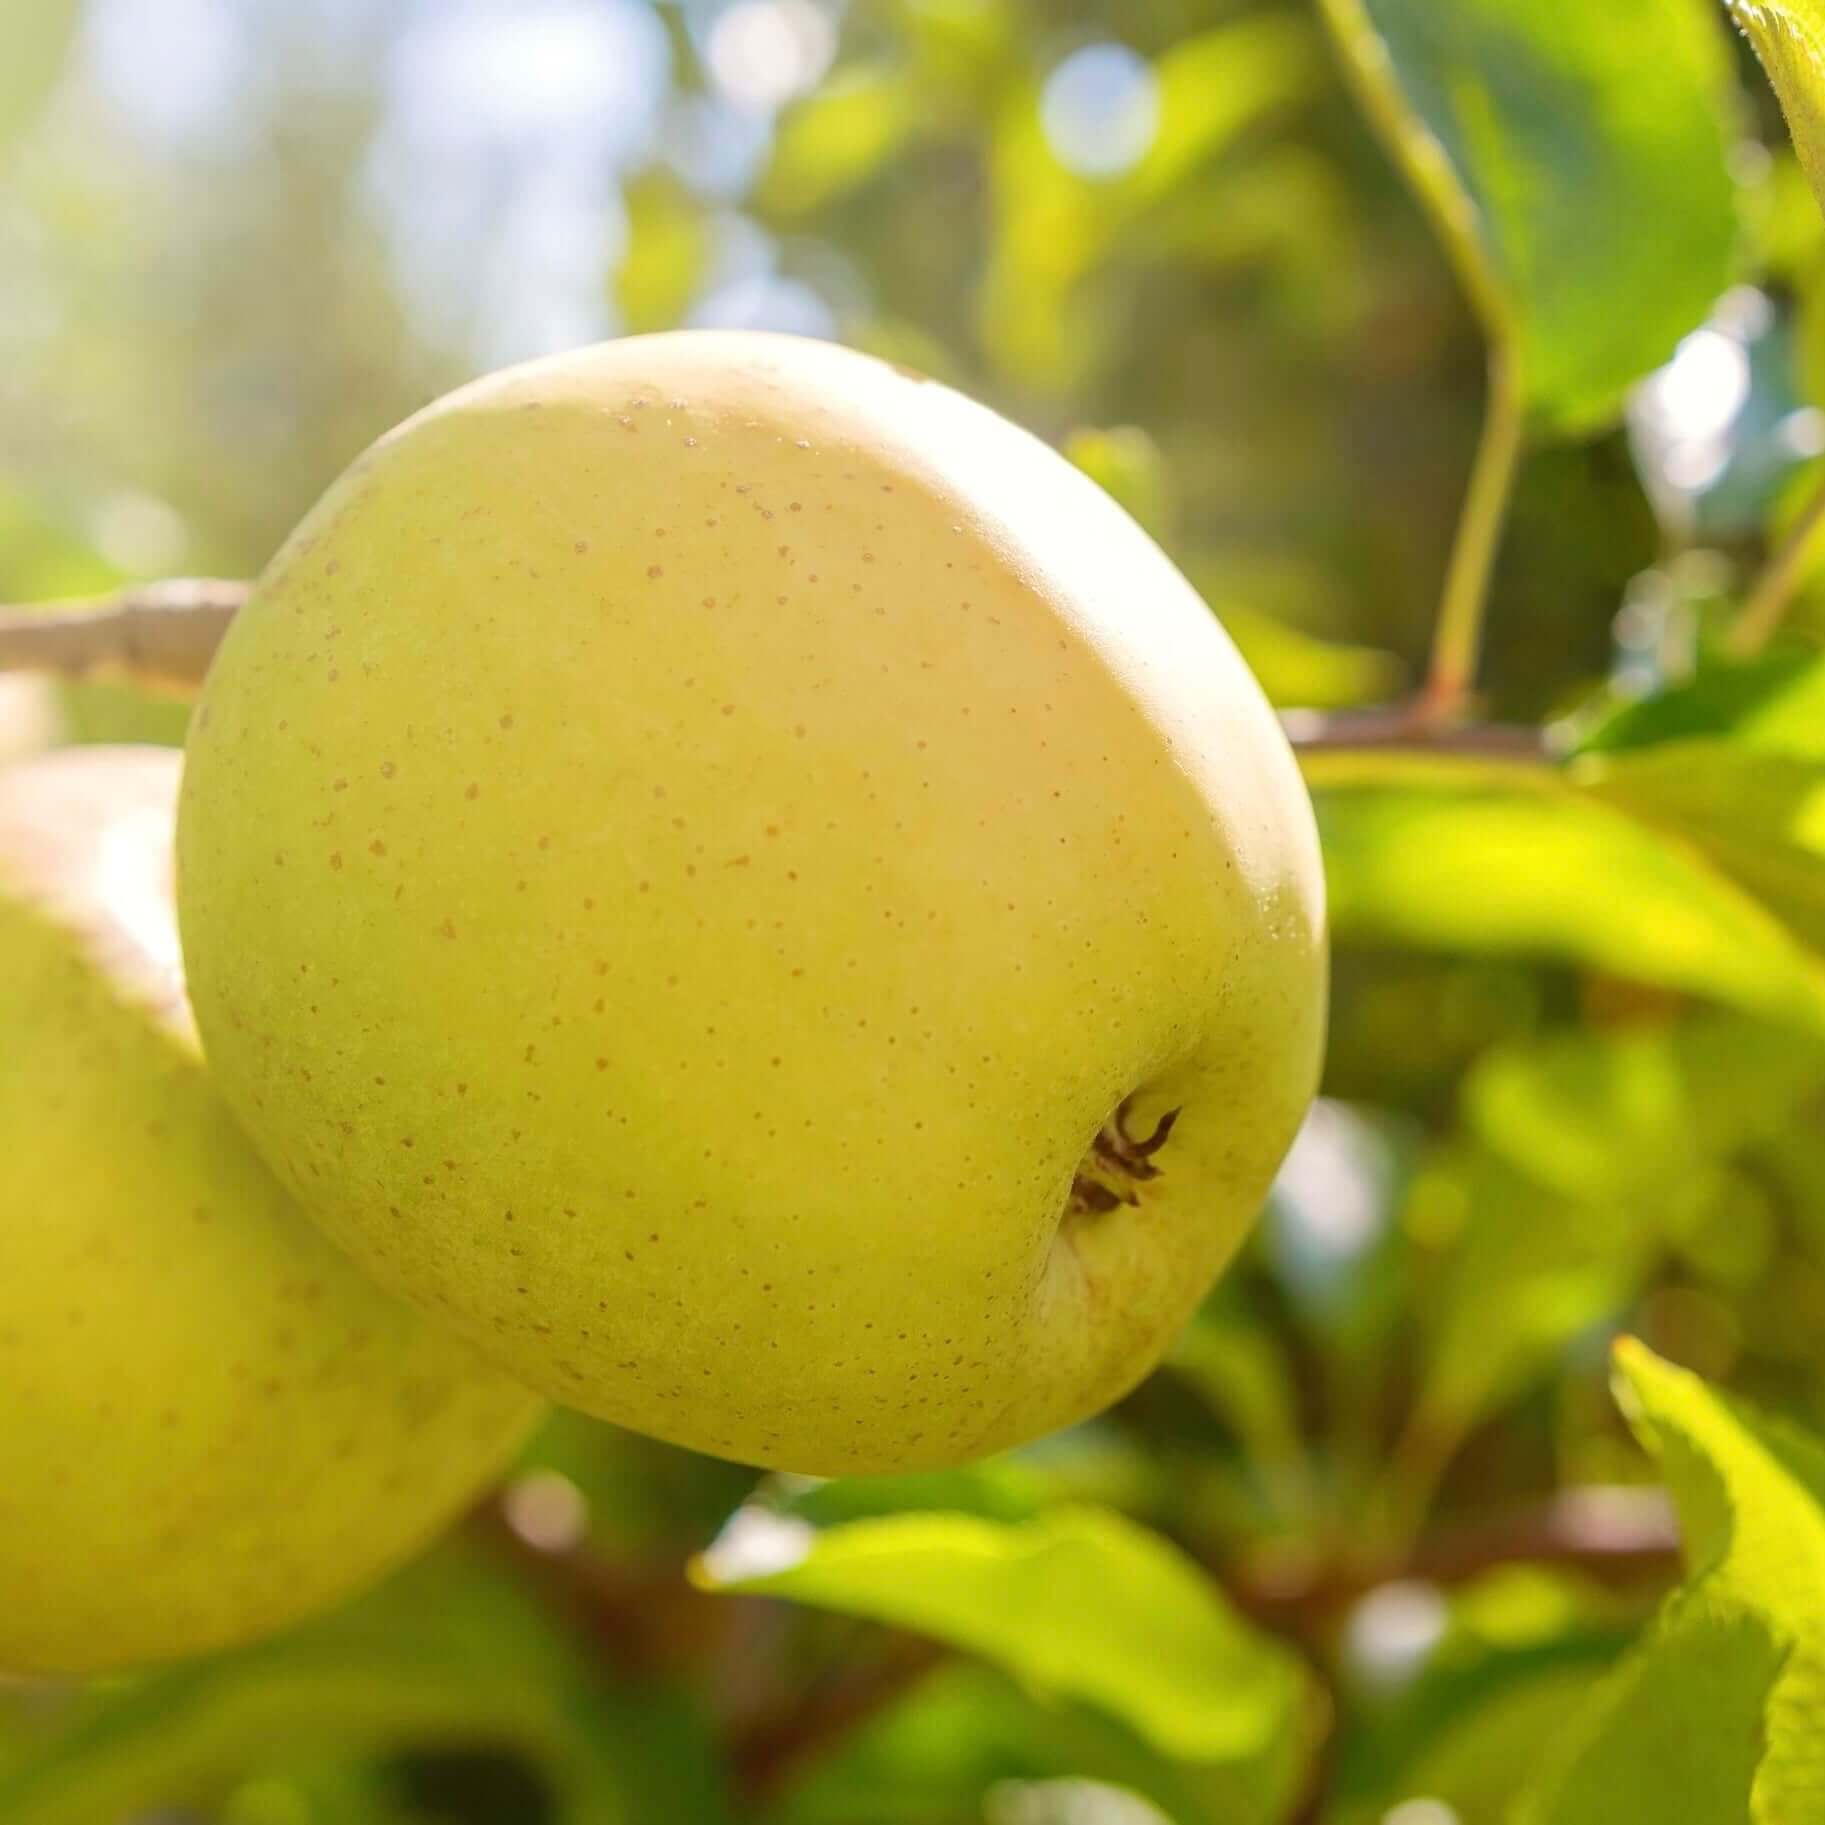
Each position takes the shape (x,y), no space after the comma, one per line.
(687,847)
(211,1422)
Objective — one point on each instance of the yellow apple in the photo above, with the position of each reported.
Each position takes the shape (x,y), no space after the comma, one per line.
(211,1422)
(28,714)
(749,884)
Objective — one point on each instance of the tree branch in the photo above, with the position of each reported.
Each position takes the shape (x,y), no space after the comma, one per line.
(158,636)
(1617,1534)
(1406,726)
(766,1757)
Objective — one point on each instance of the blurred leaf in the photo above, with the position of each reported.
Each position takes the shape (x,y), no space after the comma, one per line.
(42,555)
(1789,38)
(1053,227)
(38,35)
(448,1653)
(962,45)
(1126,463)
(837,138)
(999,1489)
(1716,1718)
(119,713)
(1300,671)
(1529,1270)
(966,1728)
(1759,815)
(1593,1152)
(1641,1112)
(1574,161)
(1079,1603)
(1496,858)
(1476,1758)
(1241,1369)
(1774,704)
(1212,89)
(667,254)
(1520,1650)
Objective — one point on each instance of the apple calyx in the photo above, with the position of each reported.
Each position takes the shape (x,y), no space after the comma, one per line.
(1117,1162)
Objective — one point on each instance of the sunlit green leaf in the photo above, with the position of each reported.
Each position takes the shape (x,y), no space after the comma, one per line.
(1497,858)
(1719,1717)
(1574,160)
(1758,814)
(1789,37)
(1775,703)
(1079,1603)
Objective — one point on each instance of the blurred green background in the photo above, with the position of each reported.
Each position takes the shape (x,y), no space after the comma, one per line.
(240,238)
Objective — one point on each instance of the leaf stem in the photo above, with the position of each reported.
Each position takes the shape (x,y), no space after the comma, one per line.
(1780,580)
(1458,636)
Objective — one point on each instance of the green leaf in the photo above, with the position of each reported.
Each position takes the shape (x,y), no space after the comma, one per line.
(1299,670)
(1497,858)
(1789,38)
(1079,1603)
(1590,1153)
(38,37)
(1528,1270)
(1775,704)
(668,251)
(1520,1649)
(1053,227)
(1720,1715)
(1643,1112)
(1240,1368)
(1212,89)
(839,137)
(448,1653)
(967,1731)
(1574,161)
(1126,463)
(1760,816)
(1000,1489)
(1681,1731)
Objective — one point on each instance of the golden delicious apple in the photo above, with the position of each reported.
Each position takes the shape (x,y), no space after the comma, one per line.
(749,884)
(211,1422)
